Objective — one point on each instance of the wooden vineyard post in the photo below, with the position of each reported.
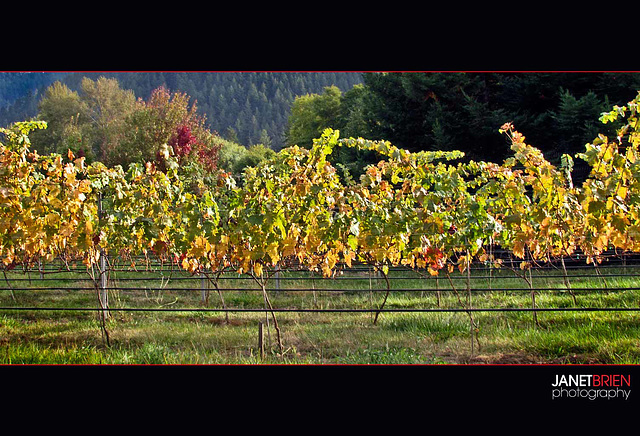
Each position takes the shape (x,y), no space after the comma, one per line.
(103,295)
(491,260)
(313,290)
(529,257)
(203,290)
(472,323)
(261,340)
(533,299)
(370,291)
(567,283)
(471,326)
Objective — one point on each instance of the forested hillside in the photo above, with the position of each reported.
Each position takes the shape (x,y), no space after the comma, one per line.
(14,86)
(246,107)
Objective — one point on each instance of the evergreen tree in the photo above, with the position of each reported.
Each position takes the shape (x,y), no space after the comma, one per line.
(463,111)
(264,138)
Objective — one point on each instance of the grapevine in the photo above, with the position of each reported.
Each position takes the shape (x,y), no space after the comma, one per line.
(424,211)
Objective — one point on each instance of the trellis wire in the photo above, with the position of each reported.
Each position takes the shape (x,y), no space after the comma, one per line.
(629,266)
(146,288)
(283,278)
(345,310)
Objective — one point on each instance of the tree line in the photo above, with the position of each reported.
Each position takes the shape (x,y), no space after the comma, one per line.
(248,108)
(558,112)
(250,116)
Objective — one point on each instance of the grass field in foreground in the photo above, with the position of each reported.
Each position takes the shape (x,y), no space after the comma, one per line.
(216,337)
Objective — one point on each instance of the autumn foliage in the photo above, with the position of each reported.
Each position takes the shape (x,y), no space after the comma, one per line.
(422,210)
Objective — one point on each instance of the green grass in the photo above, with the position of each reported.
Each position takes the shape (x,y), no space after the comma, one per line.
(76,337)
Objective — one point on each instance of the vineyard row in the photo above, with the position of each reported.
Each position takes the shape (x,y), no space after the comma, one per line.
(427,210)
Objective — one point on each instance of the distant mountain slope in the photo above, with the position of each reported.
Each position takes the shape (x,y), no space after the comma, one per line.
(16,85)
(253,106)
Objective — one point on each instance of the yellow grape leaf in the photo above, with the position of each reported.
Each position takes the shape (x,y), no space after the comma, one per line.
(622,192)
(289,245)
(326,271)
(545,222)
(349,256)
(84,186)
(518,249)
(272,251)
(601,242)
(77,195)
(67,229)
(332,259)
(79,163)
(379,254)
(630,155)
(69,174)
(257,269)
